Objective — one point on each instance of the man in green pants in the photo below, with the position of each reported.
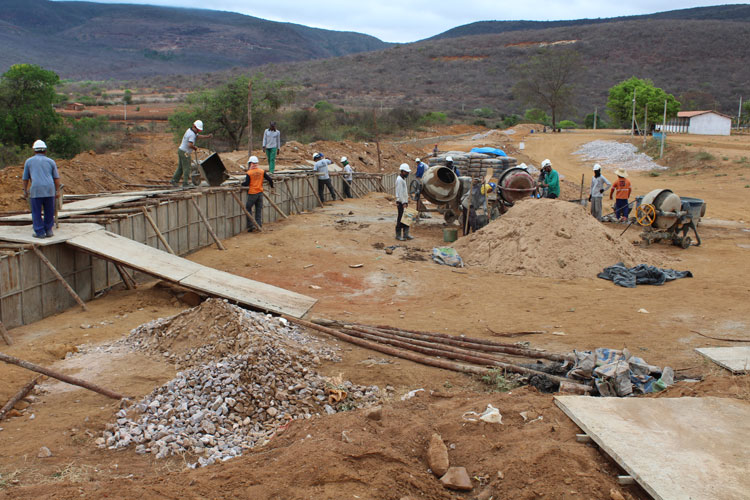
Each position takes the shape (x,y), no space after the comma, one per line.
(187,146)
(271,145)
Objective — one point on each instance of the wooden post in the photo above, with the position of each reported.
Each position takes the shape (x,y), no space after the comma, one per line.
(274,205)
(208,226)
(309,183)
(18,397)
(351,188)
(59,276)
(126,278)
(582,178)
(379,178)
(5,335)
(60,376)
(156,230)
(291,195)
(244,209)
(250,118)
(336,191)
(377,136)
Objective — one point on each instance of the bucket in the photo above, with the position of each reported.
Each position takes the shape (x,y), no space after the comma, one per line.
(450,234)
(693,206)
(213,170)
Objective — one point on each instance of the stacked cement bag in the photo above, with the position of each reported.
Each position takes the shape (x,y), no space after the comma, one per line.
(476,164)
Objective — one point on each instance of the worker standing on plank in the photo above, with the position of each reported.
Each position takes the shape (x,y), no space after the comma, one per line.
(551,180)
(324,179)
(254,180)
(599,184)
(271,145)
(187,147)
(621,190)
(42,172)
(402,201)
(348,177)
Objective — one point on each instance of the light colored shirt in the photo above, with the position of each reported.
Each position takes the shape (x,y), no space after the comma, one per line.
(187,139)
(321,167)
(348,172)
(598,185)
(271,139)
(402,193)
(42,171)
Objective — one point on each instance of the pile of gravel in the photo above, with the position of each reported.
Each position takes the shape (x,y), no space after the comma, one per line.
(617,155)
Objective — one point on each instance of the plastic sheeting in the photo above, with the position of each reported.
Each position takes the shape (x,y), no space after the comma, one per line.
(489,151)
(642,274)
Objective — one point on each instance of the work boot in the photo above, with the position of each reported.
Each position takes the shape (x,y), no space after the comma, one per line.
(407,236)
(398,234)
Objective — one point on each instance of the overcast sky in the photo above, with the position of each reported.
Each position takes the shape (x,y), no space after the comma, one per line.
(411,20)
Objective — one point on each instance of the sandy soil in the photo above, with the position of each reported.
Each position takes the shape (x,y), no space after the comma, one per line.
(386,458)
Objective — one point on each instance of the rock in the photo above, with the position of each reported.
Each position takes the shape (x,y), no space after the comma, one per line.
(272,411)
(615,495)
(44,452)
(485,494)
(437,456)
(374,413)
(208,426)
(457,479)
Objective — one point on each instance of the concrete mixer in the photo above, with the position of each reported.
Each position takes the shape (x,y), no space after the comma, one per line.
(665,216)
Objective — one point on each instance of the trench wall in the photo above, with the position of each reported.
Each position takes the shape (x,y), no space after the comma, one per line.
(29,291)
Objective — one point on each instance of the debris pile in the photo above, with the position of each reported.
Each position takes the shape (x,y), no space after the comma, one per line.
(617,154)
(548,238)
(249,377)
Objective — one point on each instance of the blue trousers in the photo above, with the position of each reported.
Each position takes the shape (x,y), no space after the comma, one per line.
(621,208)
(46,204)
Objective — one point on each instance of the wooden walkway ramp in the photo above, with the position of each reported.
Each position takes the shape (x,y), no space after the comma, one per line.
(191,275)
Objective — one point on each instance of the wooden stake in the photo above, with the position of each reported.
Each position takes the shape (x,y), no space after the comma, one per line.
(151,221)
(291,196)
(208,226)
(18,397)
(250,117)
(126,278)
(59,276)
(379,179)
(59,376)
(5,335)
(309,183)
(274,205)
(351,187)
(336,191)
(244,209)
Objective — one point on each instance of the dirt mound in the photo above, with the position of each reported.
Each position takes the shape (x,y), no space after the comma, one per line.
(551,239)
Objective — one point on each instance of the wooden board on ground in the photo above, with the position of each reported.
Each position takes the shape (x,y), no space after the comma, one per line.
(25,234)
(99,203)
(675,448)
(192,275)
(735,359)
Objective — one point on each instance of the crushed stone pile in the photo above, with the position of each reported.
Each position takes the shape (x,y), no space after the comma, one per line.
(238,390)
(549,238)
(617,154)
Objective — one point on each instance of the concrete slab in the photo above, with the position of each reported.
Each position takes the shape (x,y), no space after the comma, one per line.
(675,448)
(734,359)
(25,234)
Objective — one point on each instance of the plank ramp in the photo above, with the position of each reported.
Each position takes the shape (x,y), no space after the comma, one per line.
(25,234)
(191,275)
(735,359)
(675,448)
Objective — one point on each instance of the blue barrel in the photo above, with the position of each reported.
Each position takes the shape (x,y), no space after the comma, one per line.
(693,206)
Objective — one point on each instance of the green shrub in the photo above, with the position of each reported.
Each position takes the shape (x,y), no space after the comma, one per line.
(433,118)
(537,115)
(567,124)
(484,112)
(704,156)
(481,123)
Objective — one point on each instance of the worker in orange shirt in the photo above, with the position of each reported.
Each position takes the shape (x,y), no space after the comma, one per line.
(254,180)
(621,191)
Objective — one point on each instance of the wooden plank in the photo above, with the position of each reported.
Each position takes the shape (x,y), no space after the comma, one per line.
(59,277)
(244,209)
(99,203)
(735,359)
(248,292)
(674,448)
(25,234)
(156,230)
(314,192)
(4,333)
(274,205)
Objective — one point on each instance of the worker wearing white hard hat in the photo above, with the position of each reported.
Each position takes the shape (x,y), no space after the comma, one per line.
(254,181)
(41,173)
(551,180)
(348,176)
(402,201)
(599,184)
(324,178)
(187,147)
(449,163)
(421,168)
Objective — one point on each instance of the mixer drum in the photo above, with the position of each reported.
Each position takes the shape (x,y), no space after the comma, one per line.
(666,201)
(440,185)
(515,184)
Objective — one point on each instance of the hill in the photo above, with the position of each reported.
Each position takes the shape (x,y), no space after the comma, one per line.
(84,40)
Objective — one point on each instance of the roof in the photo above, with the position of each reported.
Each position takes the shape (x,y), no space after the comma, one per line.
(690,114)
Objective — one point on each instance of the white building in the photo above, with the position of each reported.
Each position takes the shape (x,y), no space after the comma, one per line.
(699,122)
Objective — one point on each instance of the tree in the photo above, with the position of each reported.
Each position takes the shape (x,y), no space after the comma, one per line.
(536,115)
(620,102)
(547,79)
(27,95)
(127,97)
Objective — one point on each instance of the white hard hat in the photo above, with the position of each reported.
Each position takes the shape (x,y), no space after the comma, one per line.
(546,163)
(418,160)
(253,159)
(343,159)
(199,125)
(39,145)
(597,167)
(448,158)
(317,155)
(404,167)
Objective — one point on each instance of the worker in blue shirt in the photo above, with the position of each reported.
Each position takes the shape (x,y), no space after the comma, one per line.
(421,168)
(41,172)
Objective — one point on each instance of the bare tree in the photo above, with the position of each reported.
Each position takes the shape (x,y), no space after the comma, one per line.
(548,79)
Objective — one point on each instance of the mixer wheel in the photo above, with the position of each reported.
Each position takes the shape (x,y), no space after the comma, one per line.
(645,214)
(685,242)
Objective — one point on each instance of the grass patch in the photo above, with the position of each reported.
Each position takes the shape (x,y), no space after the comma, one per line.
(725,158)
(720,175)
(497,380)
(656,174)
(743,161)
(704,156)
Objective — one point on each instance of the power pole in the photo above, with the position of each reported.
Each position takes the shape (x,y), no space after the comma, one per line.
(632,122)
(595,110)
(125,112)
(645,125)
(250,118)
(663,130)
(739,114)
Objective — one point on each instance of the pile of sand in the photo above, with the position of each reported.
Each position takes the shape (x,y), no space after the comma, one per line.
(552,239)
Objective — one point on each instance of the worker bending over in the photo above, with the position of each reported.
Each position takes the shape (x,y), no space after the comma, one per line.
(621,191)
(324,179)
(599,184)
(254,180)
(402,201)
(551,180)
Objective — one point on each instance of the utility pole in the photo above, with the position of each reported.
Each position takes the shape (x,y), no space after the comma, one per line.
(739,114)
(632,122)
(125,112)
(250,118)
(663,130)
(645,125)
(595,110)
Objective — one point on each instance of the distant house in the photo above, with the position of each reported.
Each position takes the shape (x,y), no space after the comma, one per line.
(74,106)
(699,122)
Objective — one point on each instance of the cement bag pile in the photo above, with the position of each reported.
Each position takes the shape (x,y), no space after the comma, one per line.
(548,238)
(475,164)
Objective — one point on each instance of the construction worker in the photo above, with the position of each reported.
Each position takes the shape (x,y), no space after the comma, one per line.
(599,184)
(348,177)
(254,180)
(324,179)
(421,169)
(621,191)
(187,147)
(551,180)
(42,173)
(271,145)
(402,201)
(450,165)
